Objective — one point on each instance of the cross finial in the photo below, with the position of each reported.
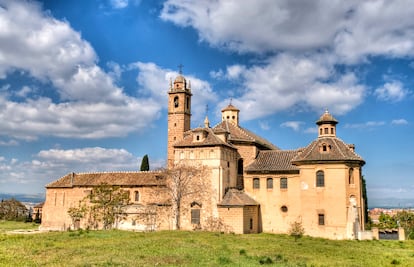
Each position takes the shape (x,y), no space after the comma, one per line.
(180,68)
(231,99)
(206,109)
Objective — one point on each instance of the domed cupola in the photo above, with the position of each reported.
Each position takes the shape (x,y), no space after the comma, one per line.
(180,83)
(327,125)
(230,113)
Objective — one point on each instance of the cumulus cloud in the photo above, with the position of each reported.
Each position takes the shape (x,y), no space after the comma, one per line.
(391,91)
(154,81)
(282,24)
(375,28)
(287,80)
(32,40)
(90,104)
(352,29)
(49,165)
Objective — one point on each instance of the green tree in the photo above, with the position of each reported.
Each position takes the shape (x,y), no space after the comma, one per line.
(77,213)
(145,164)
(405,219)
(387,221)
(13,210)
(365,197)
(296,230)
(107,205)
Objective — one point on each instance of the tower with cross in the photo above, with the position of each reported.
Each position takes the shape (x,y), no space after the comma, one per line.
(179,113)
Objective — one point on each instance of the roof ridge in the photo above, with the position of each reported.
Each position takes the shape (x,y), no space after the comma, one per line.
(104,172)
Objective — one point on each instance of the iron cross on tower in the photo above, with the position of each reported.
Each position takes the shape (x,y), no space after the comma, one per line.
(180,68)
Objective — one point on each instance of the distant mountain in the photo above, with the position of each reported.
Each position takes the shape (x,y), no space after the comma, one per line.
(390,203)
(31,198)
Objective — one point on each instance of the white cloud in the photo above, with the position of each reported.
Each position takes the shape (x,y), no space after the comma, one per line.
(365,125)
(155,80)
(32,118)
(391,91)
(399,122)
(264,125)
(287,80)
(353,30)
(282,24)
(91,105)
(294,125)
(339,96)
(49,165)
(32,40)
(9,143)
(24,92)
(377,27)
(119,4)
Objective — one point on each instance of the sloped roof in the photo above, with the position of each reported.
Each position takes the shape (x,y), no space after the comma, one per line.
(235,197)
(337,150)
(211,139)
(111,178)
(239,134)
(326,118)
(274,161)
(230,107)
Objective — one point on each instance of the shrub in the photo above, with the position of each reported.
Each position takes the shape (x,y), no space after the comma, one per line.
(296,230)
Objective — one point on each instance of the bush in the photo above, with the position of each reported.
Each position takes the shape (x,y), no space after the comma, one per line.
(296,230)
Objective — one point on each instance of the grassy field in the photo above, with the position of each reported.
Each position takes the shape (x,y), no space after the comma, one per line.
(179,248)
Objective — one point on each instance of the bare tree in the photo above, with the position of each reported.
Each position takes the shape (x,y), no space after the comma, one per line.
(185,182)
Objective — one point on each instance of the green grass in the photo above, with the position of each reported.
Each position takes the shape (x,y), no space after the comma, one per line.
(179,248)
(10,225)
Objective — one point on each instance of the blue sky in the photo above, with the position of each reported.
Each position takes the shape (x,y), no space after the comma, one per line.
(83,84)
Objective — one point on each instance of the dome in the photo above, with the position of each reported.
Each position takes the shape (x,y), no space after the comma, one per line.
(326,118)
(180,79)
(230,107)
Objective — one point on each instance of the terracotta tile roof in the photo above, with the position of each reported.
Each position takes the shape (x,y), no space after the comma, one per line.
(337,150)
(274,161)
(236,197)
(111,178)
(230,107)
(211,139)
(239,134)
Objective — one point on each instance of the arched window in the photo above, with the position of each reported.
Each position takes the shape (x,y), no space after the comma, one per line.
(256,183)
(269,183)
(195,212)
(320,179)
(240,167)
(351,176)
(283,183)
(176,102)
(136,196)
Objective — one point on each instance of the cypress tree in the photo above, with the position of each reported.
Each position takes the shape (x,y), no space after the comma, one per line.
(365,196)
(145,163)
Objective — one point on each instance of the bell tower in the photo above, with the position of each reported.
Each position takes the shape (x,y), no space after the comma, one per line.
(327,125)
(179,113)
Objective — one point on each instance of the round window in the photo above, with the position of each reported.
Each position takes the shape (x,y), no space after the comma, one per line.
(284,209)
